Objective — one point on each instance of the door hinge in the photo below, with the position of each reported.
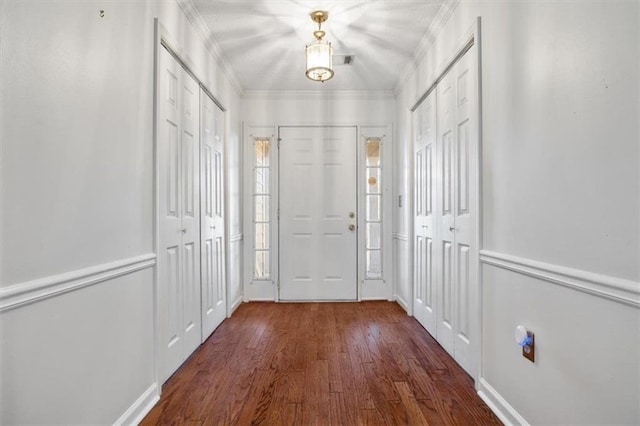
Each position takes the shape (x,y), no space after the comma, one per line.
(279,139)
(278,215)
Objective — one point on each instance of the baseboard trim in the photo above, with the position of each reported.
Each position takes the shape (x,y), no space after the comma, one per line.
(616,289)
(402,303)
(234,306)
(501,408)
(140,407)
(29,292)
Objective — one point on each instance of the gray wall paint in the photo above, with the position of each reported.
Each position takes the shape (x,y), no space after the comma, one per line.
(561,185)
(77,191)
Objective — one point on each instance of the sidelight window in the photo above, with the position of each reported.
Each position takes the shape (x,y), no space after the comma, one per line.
(373,207)
(261,209)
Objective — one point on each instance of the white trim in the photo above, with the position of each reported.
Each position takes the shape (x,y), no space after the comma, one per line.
(193,16)
(427,41)
(616,289)
(400,237)
(235,238)
(317,94)
(32,291)
(234,306)
(402,303)
(500,407)
(141,407)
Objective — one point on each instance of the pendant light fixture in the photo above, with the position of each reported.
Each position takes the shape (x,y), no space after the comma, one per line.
(319,53)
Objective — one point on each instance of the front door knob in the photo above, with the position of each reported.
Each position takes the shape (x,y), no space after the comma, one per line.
(352,227)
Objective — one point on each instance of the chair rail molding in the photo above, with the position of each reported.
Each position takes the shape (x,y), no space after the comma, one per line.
(18,295)
(400,237)
(236,238)
(612,288)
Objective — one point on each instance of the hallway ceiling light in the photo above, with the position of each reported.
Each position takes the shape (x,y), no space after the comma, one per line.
(319,53)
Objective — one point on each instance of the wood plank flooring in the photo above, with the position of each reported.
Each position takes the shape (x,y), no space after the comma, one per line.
(320,364)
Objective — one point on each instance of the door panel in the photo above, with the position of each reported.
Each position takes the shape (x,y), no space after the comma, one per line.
(425,213)
(214,305)
(465,212)
(170,268)
(317,192)
(190,176)
(446,164)
(178,216)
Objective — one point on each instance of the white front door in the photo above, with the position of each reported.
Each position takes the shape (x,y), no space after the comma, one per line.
(318,214)
(179,214)
(214,305)
(424,306)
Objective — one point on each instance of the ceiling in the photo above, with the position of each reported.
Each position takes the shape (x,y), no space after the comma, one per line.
(263,40)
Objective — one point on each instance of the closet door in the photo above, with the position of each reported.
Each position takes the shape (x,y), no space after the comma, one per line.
(465,211)
(214,305)
(178,218)
(446,164)
(457,169)
(425,210)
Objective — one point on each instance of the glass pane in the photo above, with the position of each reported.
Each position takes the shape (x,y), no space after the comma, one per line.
(262,152)
(262,236)
(374,264)
(262,267)
(373,152)
(262,208)
(262,180)
(373,235)
(374,205)
(373,181)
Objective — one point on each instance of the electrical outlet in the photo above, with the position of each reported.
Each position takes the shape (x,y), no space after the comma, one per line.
(529,350)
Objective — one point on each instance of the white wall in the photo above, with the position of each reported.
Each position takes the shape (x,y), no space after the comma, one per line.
(318,108)
(561,203)
(403,190)
(264,111)
(77,204)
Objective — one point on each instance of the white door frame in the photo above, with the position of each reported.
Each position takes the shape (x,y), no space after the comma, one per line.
(267,290)
(472,37)
(376,289)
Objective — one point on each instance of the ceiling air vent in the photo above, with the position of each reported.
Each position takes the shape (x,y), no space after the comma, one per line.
(343,59)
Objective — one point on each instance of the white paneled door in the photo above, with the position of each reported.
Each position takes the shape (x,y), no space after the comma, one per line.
(446,174)
(214,305)
(465,208)
(179,214)
(457,170)
(318,216)
(426,204)
(446,211)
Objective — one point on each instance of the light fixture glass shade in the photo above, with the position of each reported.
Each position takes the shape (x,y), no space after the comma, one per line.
(319,60)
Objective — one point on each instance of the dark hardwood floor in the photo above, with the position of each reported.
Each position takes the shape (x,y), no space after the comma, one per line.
(320,363)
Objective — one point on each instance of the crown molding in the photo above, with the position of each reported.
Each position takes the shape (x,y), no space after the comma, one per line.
(192,14)
(314,94)
(429,38)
